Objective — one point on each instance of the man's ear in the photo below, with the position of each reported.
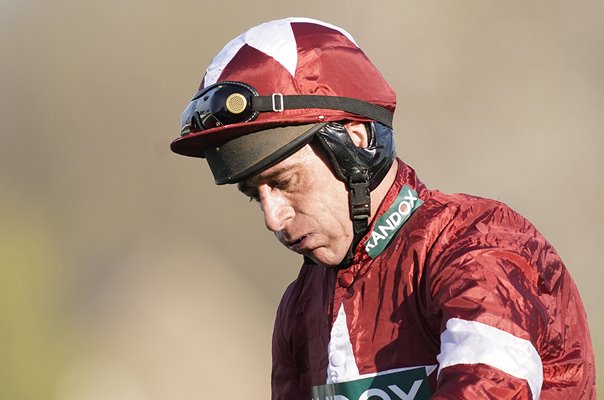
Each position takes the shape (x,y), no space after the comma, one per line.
(358,133)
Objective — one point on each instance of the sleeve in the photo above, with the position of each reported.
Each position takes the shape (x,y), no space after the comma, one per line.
(285,380)
(485,297)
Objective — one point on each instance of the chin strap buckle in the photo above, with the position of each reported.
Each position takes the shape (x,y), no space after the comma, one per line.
(359,197)
(360,208)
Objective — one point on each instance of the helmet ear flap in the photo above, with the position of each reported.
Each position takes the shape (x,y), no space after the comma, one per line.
(333,148)
(341,150)
(345,156)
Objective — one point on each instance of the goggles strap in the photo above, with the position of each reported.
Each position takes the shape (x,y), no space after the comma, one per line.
(278,102)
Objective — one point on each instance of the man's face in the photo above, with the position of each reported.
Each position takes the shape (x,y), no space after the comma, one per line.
(305,206)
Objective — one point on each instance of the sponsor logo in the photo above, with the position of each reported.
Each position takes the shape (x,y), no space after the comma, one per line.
(388,224)
(407,384)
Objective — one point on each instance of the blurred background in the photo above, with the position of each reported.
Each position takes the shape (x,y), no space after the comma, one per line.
(125,274)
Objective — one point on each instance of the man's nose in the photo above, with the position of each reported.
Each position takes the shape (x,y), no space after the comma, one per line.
(276,208)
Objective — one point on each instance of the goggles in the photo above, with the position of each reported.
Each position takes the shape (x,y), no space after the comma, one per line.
(230,102)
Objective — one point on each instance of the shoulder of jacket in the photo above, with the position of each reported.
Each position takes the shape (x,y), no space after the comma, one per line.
(469,208)
(294,291)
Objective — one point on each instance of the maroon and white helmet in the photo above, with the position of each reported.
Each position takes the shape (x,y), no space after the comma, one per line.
(272,88)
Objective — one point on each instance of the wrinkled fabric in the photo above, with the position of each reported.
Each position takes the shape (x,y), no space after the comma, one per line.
(457,256)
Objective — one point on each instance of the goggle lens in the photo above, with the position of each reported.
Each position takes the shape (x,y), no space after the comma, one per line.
(220,104)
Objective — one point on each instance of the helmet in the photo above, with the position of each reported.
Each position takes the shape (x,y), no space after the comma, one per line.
(279,85)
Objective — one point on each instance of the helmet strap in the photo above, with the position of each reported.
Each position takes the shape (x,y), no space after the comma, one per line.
(359,201)
(349,167)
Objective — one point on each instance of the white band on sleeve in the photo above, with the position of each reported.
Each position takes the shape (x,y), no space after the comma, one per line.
(471,342)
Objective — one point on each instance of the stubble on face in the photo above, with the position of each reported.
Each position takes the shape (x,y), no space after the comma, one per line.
(319,226)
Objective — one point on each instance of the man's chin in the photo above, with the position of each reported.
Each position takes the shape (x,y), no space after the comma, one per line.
(328,260)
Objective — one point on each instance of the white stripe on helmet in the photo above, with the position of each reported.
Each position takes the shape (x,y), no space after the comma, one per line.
(263,38)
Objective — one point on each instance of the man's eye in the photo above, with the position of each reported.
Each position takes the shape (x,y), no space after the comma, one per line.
(285,183)
(282,184)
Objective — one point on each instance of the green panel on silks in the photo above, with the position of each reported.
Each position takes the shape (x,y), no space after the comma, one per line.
(391,221)
(406,385)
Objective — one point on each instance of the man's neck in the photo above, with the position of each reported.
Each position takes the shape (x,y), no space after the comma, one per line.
(378,194)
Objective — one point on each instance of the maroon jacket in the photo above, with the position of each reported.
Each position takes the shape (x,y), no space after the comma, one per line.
(449,296)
